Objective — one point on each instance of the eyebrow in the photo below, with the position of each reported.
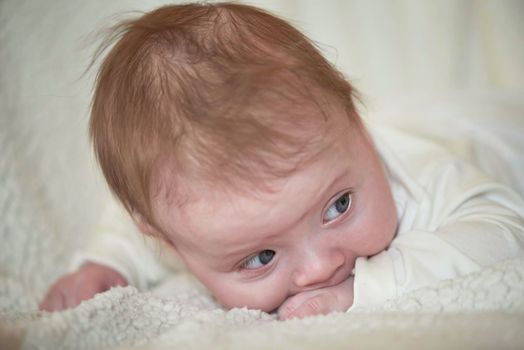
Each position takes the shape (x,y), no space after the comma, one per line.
(272,233)
(320,197)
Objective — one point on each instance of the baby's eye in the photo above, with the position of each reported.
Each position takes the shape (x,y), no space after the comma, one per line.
(339,207)
(259,260)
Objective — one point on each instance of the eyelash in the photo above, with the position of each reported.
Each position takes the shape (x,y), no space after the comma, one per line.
(333,203)
(244,264)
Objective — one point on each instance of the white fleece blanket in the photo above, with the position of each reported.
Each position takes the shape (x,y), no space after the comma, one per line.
(483,310)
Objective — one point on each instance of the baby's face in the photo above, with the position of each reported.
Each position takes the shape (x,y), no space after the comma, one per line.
(258,250)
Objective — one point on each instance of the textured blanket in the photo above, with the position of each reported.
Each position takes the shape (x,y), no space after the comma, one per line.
(484,310)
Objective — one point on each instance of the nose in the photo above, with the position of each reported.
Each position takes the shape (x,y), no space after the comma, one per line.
(318,267)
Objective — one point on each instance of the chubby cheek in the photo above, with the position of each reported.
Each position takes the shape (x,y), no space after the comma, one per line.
(265,295)
(377,225)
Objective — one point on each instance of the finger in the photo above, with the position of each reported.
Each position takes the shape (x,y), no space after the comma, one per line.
(79,293)
(313,306)
(44,305)
(319,305)
(117,280)
(293,303)
(53,302)
(287,308)
(121,281)
(71,301)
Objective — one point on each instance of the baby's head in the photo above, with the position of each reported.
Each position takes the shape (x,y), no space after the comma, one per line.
(224,132)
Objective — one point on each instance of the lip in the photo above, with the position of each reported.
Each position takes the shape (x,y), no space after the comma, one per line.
(341,275)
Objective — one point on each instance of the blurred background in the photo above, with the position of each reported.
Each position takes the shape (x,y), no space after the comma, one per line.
(50,188)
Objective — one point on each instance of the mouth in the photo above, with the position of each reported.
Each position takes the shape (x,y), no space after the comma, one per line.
(342,274)
(338,278)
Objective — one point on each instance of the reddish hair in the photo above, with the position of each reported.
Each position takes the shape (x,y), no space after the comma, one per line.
(221,90)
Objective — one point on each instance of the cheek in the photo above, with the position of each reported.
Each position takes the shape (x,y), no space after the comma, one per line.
(265,295)
(377,222)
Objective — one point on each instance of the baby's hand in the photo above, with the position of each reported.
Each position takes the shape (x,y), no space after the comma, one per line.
(318,301)
(83,284)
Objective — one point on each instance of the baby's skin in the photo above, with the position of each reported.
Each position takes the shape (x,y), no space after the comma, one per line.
(70,290)
(318,302)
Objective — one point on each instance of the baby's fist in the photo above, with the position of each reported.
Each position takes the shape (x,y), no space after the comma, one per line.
(83,284)
(319,301)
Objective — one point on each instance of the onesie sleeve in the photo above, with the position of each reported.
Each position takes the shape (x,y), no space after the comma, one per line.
(464,222)
(118,244)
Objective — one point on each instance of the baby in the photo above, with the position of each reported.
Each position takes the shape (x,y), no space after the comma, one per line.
(228,137)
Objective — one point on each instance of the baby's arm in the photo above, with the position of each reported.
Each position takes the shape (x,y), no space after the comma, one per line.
(117,255)
(319,301)
(82,284)
(467,222)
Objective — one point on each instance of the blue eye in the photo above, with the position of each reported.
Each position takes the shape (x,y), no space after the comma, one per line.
(339,207)
(259,260)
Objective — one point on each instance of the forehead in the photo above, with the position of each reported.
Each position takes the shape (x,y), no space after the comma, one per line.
(219,215)
(243,167)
